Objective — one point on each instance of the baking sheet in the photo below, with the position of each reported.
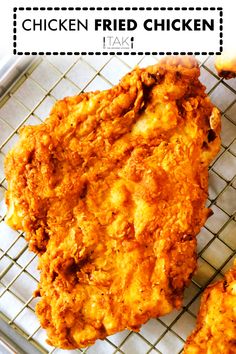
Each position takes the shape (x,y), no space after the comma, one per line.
(29,102)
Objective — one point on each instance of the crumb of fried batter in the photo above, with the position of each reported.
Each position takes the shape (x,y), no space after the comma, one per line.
(111,193)
(225,65)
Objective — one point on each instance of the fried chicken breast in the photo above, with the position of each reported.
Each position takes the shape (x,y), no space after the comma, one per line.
(226,65)
(216,324)
(111,193)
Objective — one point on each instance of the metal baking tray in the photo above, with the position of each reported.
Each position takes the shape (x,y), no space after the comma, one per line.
(28,100)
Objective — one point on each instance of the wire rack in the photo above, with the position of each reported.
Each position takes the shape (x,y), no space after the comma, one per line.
(29,102)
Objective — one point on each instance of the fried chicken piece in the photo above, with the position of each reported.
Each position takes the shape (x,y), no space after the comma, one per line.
(226,65)
(111,193)
(216,323)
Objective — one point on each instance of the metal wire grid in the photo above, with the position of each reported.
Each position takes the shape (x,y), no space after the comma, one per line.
(29,102)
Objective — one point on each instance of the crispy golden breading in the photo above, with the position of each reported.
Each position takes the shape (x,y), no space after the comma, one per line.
(216,324)
(226,65)
(111,192)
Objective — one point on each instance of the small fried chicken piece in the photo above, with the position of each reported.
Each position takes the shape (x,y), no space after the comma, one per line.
(216,323)
(226,65)
(111,193)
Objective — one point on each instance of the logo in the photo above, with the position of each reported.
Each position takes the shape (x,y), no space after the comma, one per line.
(118,42)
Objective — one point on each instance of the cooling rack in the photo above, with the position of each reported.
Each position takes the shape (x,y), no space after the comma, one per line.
(29,102)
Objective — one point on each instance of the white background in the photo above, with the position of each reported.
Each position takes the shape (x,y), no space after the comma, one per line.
(6,19)
(91,40)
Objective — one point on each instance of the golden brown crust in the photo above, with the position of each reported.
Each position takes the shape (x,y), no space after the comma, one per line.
(226,65)
(216,323)
(111,193)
